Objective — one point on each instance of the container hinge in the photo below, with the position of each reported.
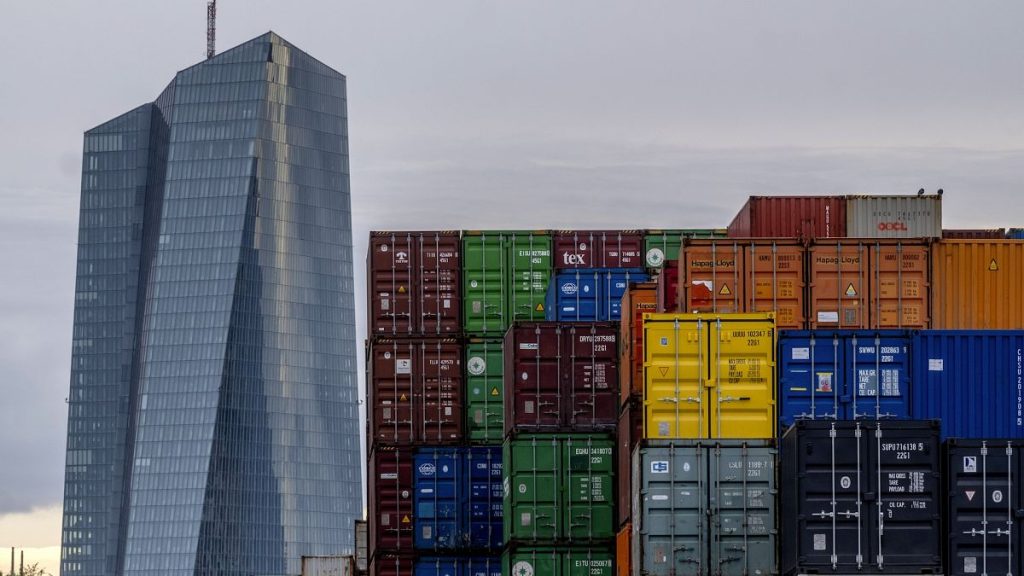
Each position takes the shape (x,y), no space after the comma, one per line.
(858,432)
(984,450)
(835,561)
(832,432)
(860,560)
(880,560)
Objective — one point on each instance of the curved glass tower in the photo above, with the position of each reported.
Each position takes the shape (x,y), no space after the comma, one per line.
(213,419)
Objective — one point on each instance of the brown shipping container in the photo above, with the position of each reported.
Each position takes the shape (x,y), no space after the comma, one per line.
(804,217)
(561,377)
(974,234)
(415,391)
(638,300)
(668,287)
(622,550)
(414,283)
(629,433)
(393,565)
(900,285)
(389,500)
(838,275)
(599,249)
(978,284)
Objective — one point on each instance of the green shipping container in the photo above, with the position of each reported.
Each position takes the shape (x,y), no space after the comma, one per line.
(504,279)
(558,562)
(662,245)
(485,412)
(558,487)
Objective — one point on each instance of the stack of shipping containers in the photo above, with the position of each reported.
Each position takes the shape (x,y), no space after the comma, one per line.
(832,384)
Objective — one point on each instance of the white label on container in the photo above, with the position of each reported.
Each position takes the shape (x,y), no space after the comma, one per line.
(662,428)
(389,476)
(820,543)
(528,407)
(659,497)
(529,346)
(525,519)
(385,520)
(427,534)
(971,464)
(659,467)
(997,496)
(801,353)
(447,410)
(831,317)
(385,304)
(403,366)
(971,564)
(447,303)
(935,365)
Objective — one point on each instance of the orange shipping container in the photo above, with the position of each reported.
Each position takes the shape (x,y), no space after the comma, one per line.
(774,281)
(622,550)
(978,284)
(899,285)
(638,300)
(710,276)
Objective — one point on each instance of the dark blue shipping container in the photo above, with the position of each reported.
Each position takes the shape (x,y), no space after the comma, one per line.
(972,380)
(458,566)
(590,294)
(457,494)
(844,374)
(1015,233)
(482,565)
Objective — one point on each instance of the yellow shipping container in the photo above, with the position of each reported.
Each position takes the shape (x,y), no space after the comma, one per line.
(709,376)
(978,284)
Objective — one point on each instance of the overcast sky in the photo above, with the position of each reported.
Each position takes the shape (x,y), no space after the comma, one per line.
(508,114)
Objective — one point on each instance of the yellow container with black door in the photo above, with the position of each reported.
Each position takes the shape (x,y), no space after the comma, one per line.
(709,376)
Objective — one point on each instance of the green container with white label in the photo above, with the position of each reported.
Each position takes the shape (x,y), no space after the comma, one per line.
(504,279)
(558,488)
(485,417)
(569,561)
(662,245)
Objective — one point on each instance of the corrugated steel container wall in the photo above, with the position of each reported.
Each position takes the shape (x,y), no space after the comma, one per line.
(983,487)
(438,566)
(630,432)
(559,562)
(589,294)
(861,497)
(663,245)
(559,488)
(484,506)
(1015,233)
(838,281)
(623,548)
(900,284)
(504,279)
(790,217)
(392,565)
(458,499)
(845,375)
(705,508)
(974,234)
(775,281)
(485,412)
(389,500)
(415,391)
(362,546)
(561,376)
(971,380)
(668,288)
(598,249)
(709,376)
(894,216)
(711,276)
(482,566)
(978,284)
(413,283)
(328,566)
(638,300)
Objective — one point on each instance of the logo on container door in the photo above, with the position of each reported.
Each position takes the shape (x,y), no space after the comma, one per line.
(896,226)
(655,258)
(569,288)
(522,568)
(575,258)
(659,467)
(476,365)
(427,469)
(971,464)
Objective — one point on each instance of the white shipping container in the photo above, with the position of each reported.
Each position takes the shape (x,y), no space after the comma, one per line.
(328,566)
(894,216)
(361,546)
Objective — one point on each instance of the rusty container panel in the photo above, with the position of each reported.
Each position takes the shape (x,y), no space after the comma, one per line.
(668,287)
(561,377)
(638,300)
(894,216)
(838,284)
(900,285)
(711,276)
(978,284)
(393,565)
(775,281)
(390,284)
(804,217)
(599,249)
(389,500)
(974,234)
(415,391)
(413,283)
(438,290)
(629,433)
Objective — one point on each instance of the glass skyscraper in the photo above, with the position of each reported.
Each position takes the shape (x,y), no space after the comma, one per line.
(213,419)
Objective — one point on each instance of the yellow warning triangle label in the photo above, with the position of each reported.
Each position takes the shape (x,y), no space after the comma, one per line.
(405,519)
(725,290)
(664,370)
(993,265)
(401,289)
(403,398)
(850,290)
(494,391)
(540,307)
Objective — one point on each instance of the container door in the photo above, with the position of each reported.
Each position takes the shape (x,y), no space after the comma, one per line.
(483,506)
(391,285)
(809,380)
(439,266)
(392,390)
(675,376)
(529,268)
(587,507)
(437,498)
(984,495)
(900,286)
(838,286)
(440,367)
(484,392)
(775,283)
(531,488)
(670,523)
(712,277)
(577,294)
(391,500)
(742,503)
(590,377)
(741,391)
(614,284)
(485,284)
(534,378)
(878,378)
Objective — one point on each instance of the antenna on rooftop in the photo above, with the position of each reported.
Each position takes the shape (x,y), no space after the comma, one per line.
(211,28)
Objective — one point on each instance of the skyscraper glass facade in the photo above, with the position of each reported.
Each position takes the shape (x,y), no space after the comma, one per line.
(213,417)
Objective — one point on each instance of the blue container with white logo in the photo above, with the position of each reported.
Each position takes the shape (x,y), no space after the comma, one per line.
(590,294)
(971,380)
(457,495)
(844,375)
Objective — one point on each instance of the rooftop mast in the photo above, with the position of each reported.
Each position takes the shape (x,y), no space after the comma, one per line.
(211,28)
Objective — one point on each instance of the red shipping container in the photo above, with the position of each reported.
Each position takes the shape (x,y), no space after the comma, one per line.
(668,287)
(389,476)
(804,217)
(393,565)
(414,283)
(599,249)
(415,391)
(561,377)
(638,300)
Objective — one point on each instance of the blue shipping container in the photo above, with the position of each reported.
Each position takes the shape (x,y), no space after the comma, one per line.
(844,374)
(1015,233)
(457,494)
(589,294)
(458,566)
(971,380)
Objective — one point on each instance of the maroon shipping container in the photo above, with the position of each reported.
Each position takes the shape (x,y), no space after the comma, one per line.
(599,249)
(979,234)
(392,565)
(668,287)
(805,217)
(413,283)
(389,477)
(630,433)
(561,377)
(415,391)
